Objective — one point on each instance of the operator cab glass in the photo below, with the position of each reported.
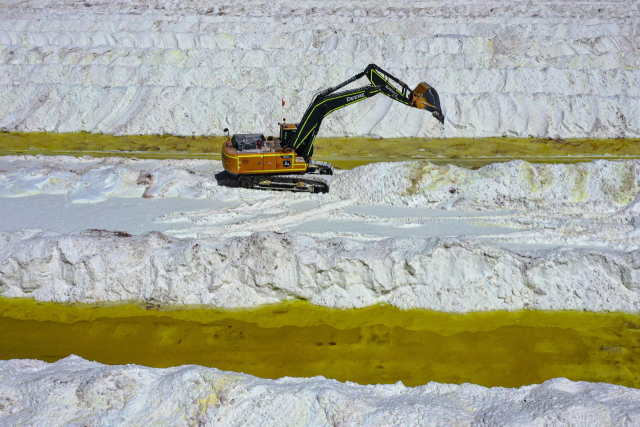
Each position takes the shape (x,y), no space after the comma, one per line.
(288,134)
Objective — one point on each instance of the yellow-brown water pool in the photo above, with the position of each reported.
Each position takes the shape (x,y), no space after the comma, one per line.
(344,153)
(379,344)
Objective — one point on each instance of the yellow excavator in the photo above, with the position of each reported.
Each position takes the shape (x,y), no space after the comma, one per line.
(285,163)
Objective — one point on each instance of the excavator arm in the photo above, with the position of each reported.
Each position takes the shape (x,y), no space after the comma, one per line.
(423,97)
(323,106)
(329,100)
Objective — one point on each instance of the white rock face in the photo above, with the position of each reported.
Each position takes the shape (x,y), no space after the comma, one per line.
(75,391)
(524,236)
(444,274)
(545,68)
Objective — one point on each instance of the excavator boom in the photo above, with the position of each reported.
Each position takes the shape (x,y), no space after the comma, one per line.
(322,107)
(424,97)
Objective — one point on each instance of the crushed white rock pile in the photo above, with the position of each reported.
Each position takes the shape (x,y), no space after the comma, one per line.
(74,391)
(543,68)
(444,274)
(588,189)
(550,237)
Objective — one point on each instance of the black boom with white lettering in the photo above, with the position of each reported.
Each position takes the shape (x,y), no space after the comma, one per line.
(329,100)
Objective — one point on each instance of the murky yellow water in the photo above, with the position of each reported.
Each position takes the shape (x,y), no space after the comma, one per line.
(379,344)
(99,145)
(344,153)
(348,153)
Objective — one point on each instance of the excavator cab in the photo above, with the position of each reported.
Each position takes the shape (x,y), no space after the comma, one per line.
(288,133)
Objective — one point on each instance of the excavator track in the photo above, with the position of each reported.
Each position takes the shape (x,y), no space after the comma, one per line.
(297,183)
(322,168)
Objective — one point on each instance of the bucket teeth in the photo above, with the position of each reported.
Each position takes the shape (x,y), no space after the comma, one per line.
(438,115)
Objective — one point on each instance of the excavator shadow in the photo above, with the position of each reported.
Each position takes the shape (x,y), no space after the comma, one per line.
(225,179)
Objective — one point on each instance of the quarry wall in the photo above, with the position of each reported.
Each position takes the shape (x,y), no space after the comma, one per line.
(537,68)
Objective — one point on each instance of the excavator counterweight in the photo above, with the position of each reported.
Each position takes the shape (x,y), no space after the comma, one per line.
(280,163)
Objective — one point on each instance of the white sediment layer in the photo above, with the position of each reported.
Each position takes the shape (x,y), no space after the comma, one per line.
(590,189)
(504,237)
(444,274)
(74,391)
(544,68)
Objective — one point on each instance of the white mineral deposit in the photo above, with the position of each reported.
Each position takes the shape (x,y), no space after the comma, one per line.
(507,236)
(545,68)
(75,391)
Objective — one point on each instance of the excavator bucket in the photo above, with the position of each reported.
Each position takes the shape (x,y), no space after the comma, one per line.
(426,98)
